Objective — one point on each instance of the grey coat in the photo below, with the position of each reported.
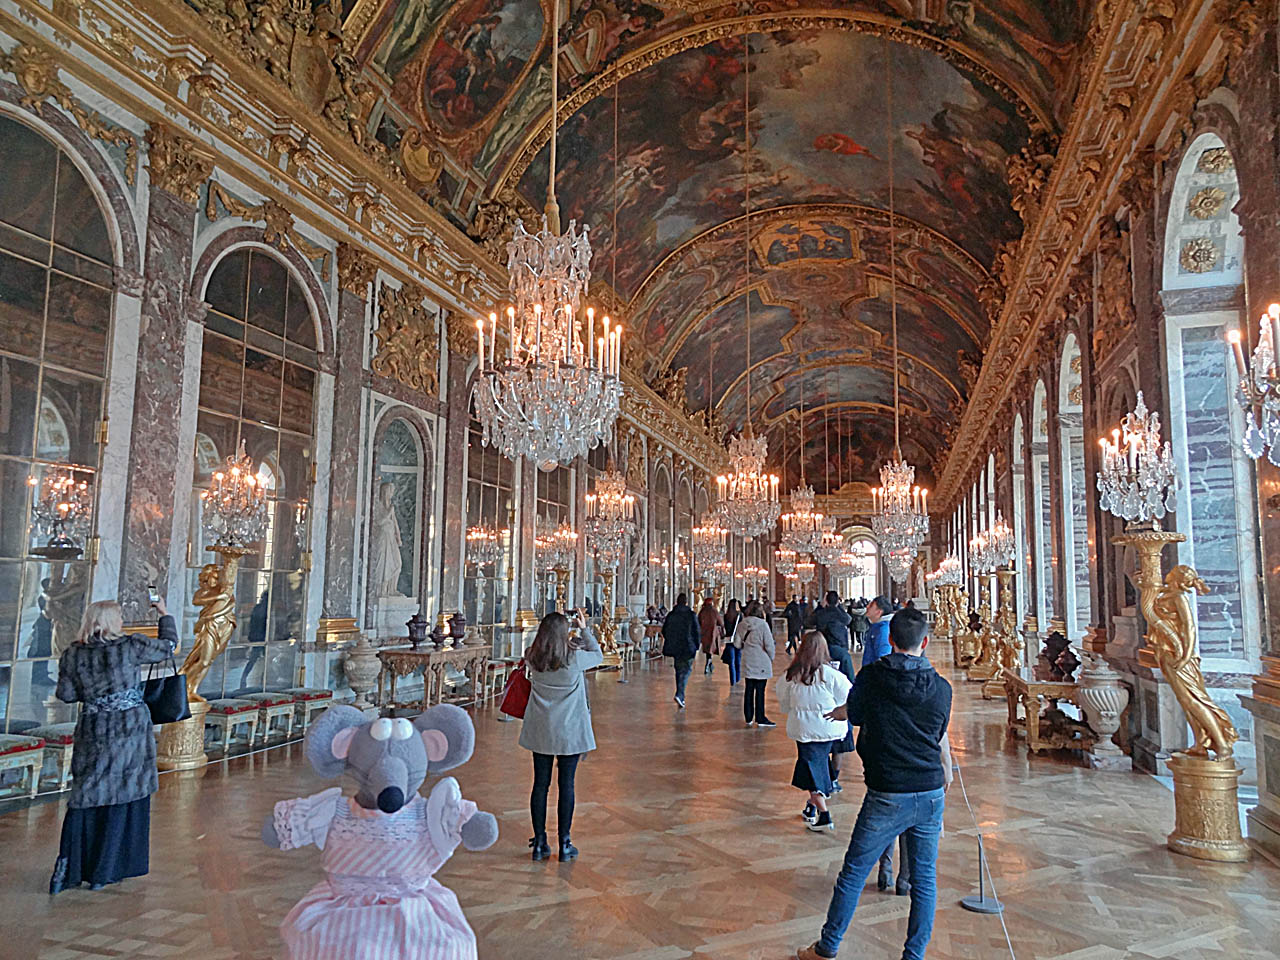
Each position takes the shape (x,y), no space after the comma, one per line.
(557,720)
(114,757)
(754,638)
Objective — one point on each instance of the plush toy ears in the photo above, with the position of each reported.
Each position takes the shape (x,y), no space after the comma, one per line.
(448,734)
(329,739)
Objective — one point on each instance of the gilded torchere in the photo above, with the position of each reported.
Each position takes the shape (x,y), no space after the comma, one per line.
(1205,776)
(1007,644)
(608,629)
(181,744)
(985,665)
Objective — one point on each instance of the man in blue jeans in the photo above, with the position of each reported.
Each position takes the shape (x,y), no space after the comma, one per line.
(902,708)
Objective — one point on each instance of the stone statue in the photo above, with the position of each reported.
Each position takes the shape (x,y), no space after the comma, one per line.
(637,563)
(385,561)
(1172,633)
(64,602)
(215,596)
(917,584)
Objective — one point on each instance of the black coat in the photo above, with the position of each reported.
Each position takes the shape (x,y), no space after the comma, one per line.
(680,634)
(114,757)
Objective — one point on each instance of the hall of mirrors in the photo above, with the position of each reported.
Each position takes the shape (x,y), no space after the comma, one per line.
(1016,247)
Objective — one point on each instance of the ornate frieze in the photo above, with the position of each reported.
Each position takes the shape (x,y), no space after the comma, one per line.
(460,334)
(37,73)
(279,231)
(407,347)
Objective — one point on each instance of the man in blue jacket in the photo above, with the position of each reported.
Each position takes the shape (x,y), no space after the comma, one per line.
(875,642)
(902,708)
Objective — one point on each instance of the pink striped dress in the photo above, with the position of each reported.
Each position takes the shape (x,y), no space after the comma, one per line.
(380,900)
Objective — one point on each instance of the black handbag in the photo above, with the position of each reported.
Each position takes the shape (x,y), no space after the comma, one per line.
(166,697)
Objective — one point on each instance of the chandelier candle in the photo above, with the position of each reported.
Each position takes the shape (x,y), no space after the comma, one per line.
(1258,390)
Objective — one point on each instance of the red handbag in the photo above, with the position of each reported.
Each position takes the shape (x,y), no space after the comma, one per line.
(515,696)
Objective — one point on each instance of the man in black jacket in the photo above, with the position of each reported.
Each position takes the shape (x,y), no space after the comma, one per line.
(680,641)
(794,613)
(902,708)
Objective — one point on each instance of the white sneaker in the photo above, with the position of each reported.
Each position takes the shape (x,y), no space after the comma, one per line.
(679,702)
(751,723)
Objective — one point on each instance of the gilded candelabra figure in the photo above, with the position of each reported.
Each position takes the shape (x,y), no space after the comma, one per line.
(215,596)
(1007,643)
(608,629)
(984,665)
(1172,632)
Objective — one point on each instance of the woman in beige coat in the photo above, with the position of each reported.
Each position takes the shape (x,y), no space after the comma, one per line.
(754,638)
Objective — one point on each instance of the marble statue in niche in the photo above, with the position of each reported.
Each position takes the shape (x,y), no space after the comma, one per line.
(385,561)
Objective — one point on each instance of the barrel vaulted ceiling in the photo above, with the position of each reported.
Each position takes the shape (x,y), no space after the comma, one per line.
(971,81)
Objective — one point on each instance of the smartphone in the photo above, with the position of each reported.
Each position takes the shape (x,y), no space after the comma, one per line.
(152,595)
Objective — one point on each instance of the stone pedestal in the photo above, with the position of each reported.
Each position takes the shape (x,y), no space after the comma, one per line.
(1264,704)
(1207,818)
(390,615)
(361,667)
(180,746)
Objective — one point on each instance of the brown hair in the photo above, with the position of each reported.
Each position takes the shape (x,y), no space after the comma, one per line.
(754,609)
(808,661)
(550,648)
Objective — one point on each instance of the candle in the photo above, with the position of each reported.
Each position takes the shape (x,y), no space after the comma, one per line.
(600,354)
(1233,338)
(493,337)
(591,331)
(537,331)
(480,341)
(924,501)
(511,318)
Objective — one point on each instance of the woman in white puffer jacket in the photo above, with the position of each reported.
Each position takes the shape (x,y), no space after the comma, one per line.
(812,687)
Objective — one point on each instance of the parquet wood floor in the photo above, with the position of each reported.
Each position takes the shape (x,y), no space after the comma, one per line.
(691,848)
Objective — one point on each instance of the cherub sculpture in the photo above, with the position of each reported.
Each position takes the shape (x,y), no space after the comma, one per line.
(382,846)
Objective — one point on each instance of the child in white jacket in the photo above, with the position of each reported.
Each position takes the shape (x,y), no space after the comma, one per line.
(812,687)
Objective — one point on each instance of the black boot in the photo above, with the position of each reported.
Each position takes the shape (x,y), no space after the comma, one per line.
(902,888)
(567,850)
(883,881)
(541,849)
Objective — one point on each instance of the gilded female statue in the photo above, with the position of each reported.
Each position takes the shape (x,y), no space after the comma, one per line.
(1172,632)
(215,596)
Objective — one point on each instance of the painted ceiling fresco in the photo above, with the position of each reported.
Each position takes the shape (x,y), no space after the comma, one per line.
(968,84)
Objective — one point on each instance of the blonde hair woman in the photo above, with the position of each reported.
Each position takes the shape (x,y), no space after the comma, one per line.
(106,834)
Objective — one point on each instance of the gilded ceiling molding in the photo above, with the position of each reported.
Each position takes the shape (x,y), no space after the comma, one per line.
(279,231)
(177,164)
(1091,161)
(36,71)
(407,341)
(957,54)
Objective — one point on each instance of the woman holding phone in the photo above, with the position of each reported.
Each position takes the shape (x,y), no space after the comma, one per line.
(106,834)
(557,722)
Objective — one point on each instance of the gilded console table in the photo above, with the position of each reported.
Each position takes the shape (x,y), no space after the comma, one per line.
(1052,729)
(432,664)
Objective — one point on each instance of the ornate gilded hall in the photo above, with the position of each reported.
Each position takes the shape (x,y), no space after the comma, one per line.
(360,335)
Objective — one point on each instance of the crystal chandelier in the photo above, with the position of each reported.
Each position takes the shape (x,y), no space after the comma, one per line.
(235,505)
(901,509)
(484,545)
(557,392)
(610,521)
(1137,479)
(981,557)
(1258,391)
(830,546)
(708,543)
(555,548)
(801,526)
(748,496)
(949,573)
(899,560)
(753,577)
(1001,543)
(722,573)
(784,561)
(805,570)
(63,503)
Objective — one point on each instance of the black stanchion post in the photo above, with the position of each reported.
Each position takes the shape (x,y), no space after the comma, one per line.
(982,903)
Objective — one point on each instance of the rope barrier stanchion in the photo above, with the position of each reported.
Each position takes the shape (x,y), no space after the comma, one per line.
(982,903)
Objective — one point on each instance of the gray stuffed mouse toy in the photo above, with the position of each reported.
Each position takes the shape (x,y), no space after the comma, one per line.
(382,847)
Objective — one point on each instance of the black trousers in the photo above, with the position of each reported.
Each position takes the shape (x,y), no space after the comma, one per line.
(753,701)
(566,767)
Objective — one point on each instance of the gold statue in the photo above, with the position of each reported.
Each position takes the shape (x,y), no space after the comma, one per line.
(1172,633)
(217,621)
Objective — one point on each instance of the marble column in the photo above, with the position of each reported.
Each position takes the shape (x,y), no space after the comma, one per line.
(158,499)
(456,439)
(356,270)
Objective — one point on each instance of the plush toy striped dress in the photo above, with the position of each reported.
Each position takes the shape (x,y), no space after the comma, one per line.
(380,900)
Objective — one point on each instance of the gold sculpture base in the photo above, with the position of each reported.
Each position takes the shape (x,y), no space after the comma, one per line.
(982,671)
(993,689)
(1207,817)
(180,746)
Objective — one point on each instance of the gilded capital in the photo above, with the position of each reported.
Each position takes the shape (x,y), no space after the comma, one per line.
(177,164)
(356,269)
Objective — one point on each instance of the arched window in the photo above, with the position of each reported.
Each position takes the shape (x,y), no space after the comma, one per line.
(662,560)
(258,373)
(1075,522)
(400,464)
(56,297)
(684,537)
(1041,485)
(867,584)
(1203,287)
(555,499)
